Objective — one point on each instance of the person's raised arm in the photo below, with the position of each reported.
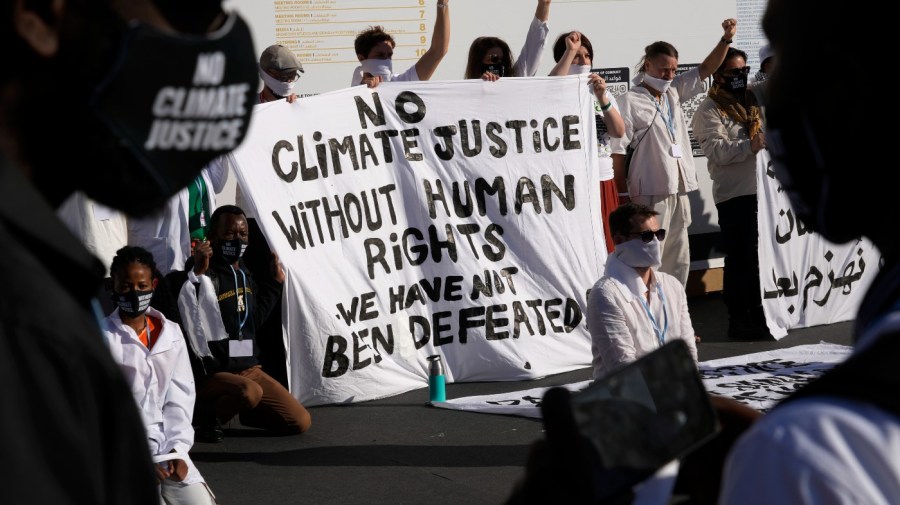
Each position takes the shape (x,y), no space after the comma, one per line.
(440,43)
(542,13)
(717,55)
(530,56)
(573,44)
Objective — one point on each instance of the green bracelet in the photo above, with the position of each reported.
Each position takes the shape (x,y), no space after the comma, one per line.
(606,107)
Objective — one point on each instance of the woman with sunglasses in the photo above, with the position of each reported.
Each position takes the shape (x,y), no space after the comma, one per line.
(729,126)
(634,308)
(490,58)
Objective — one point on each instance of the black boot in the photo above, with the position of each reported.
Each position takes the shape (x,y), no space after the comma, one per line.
(209,433)
(207,428)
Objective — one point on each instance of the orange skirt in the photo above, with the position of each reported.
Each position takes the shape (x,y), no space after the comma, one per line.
(609,201)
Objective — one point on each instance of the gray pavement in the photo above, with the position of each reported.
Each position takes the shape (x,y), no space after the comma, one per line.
(399,451)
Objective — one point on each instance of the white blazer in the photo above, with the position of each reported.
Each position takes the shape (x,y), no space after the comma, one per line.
(162,385)
(165,234)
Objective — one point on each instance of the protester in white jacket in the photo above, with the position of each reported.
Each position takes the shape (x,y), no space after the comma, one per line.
(152,354)
(168,233)
(635,309)
(101,229)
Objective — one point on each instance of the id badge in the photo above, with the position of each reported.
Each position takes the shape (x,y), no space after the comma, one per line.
(240,348)
(676,151)
(203,218)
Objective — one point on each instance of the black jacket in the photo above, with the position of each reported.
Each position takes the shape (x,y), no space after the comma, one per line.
(259,299)
(69,426)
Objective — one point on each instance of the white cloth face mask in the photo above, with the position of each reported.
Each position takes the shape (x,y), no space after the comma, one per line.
(378,68)
(639,254)
(579,69)
(660,85)
(280,88)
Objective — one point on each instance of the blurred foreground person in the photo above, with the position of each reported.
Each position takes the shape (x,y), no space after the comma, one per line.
(135,75)
(837,440)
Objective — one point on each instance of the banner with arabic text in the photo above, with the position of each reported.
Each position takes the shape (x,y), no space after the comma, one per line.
(805,280)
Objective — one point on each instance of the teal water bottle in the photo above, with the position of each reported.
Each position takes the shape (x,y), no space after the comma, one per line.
(437,391)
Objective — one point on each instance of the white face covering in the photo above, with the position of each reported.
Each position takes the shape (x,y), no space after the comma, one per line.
(639,254)
(378,68)
(658,84)
(278,87)
(579,69)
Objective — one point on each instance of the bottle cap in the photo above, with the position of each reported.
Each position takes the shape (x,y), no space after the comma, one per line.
(435,367)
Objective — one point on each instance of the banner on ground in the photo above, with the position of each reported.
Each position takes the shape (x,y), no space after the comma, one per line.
(456,218)
(759,380)
(804,279)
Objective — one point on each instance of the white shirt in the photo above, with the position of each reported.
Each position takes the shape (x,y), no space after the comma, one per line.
(604,149)
(161,382)
(654,171)
(165,234)
(409,75)
(621,329)
(532,51)
(102,230)
(816,451)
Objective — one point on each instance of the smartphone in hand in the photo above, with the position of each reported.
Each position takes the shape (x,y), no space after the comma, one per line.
(644,415)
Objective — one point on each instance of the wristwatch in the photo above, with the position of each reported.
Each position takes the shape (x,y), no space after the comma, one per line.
(727,41)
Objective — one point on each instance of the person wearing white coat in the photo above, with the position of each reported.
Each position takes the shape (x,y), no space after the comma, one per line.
(635,309)
(152,354)
(167,234)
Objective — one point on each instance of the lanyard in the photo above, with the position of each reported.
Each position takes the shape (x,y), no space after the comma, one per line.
(147,331)
(237,298)
(660,335)
(198,206)
(670,122)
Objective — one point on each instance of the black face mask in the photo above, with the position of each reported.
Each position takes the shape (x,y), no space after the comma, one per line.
(133,303)
(735,83)
(232,250)
(149,109)
(495,67)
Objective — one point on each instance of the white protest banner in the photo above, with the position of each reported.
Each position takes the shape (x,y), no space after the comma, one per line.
(458,218)
(762,379)
(517,403)
(805,280)
(758,380)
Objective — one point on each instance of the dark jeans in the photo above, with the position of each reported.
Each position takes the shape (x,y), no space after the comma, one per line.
(740,238)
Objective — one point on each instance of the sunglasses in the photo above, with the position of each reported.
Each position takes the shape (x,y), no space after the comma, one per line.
(647,235)
(734,72)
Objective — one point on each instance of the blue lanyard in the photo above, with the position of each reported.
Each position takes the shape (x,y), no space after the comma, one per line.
(237,298)
(670,123)
(660,335)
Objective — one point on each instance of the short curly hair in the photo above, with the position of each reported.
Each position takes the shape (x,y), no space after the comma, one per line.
(132,254)
(369,38)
